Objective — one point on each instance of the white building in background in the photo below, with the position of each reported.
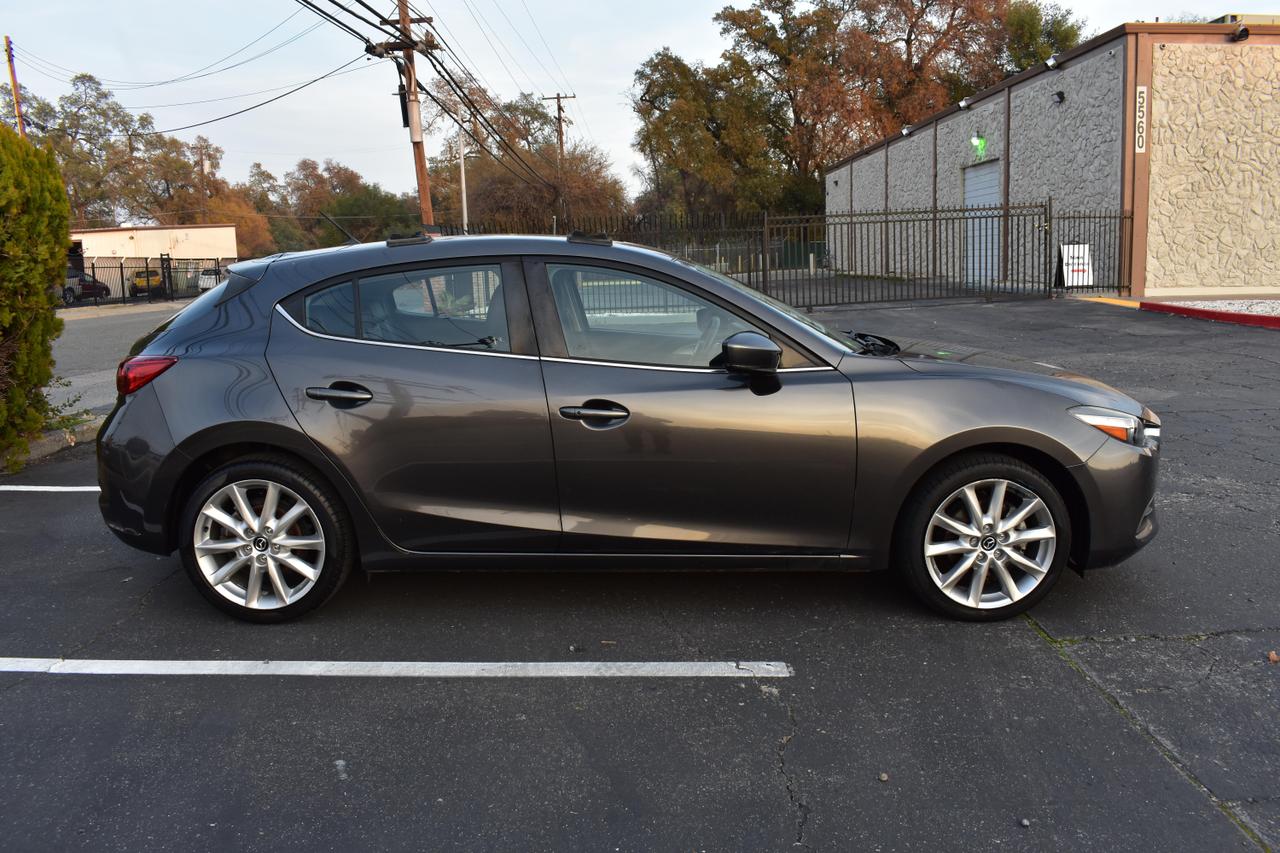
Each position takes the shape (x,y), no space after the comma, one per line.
(135,242)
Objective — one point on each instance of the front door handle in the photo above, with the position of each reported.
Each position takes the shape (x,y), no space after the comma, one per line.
(595,410)
(342,394)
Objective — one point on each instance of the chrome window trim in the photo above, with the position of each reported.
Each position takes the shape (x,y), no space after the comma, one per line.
(424,347)
(626,364)
(632,365)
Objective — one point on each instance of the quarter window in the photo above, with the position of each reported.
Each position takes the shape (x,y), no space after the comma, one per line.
(613,315)
(456,307)
(460,307)
(331,311)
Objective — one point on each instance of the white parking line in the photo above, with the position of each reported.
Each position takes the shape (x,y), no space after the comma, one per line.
(406,669)
(49,489)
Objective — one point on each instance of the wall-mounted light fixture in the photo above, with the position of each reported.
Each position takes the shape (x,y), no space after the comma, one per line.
(906,130)
(964,103)
(979,143)
(1052,61)
(1059,96)
(1241,33)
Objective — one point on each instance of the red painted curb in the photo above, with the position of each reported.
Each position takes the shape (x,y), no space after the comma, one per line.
(1266,321)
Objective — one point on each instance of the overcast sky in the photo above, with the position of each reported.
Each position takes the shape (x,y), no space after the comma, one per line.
(595,48)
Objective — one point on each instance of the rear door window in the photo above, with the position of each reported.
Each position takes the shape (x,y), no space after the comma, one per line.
(458,307)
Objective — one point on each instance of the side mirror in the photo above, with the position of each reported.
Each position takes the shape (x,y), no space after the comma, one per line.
(749,352)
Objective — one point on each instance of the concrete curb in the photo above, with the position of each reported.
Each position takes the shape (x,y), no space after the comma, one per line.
(60,439)
(1265,321)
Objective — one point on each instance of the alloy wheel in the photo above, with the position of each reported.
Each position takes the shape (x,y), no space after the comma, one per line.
(259,544)
(990,543)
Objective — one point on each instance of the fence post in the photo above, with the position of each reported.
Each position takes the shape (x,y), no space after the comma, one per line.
(764,256)
(124,285)
(1050,259)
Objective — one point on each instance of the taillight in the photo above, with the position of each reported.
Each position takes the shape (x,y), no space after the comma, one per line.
(133,373)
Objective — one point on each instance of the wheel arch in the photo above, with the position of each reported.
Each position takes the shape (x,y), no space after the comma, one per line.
(207,450)
(1052,467)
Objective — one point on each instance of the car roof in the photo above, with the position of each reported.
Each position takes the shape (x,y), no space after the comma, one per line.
(322,263)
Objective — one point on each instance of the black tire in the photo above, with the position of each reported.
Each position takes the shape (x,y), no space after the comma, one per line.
(69,296)
(928,497)
(334,521)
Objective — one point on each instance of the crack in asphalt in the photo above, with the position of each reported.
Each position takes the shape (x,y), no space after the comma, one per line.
(1162,746)
(142,602)
(1138,638)
(796,799)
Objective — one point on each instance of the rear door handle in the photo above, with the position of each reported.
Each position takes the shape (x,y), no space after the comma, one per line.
(346,394)
(595,410)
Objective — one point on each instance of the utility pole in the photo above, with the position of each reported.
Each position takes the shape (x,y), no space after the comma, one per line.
(13,85)
(462,175)
(407,44)
(204,187)
(560,99)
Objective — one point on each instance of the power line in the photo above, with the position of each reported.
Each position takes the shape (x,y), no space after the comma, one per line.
(454,86)
(551,53)
(247,109)
(537,29)
(467,5)
(184,78)
(334,20)
(244,94)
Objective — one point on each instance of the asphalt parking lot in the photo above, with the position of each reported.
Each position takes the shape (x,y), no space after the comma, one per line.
(1134,710)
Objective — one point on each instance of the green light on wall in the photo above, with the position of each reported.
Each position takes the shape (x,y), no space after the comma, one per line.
(979,143)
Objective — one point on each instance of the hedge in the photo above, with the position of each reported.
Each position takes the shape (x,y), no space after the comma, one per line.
(33,255)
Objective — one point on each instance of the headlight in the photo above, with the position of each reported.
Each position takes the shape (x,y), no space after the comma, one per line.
(1119,425)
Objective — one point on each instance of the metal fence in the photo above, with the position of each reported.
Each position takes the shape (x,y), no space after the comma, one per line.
(878,256)
(105,281)
(807,261)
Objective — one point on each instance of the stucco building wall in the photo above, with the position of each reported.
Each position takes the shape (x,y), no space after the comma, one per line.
(1070,151)
(911,171)
(866,177)
(955,146)
(1214,216)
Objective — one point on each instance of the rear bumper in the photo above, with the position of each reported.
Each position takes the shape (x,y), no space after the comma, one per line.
(1119,485)
(131,451)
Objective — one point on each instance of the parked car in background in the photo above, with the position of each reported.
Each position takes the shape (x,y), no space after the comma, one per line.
(504,402)
(82,285)
(145,281)
(209,279)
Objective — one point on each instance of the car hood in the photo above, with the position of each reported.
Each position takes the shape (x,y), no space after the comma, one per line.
(927,356)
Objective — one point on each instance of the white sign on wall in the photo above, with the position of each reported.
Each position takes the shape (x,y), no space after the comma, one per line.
(1077,265)
(1140,121)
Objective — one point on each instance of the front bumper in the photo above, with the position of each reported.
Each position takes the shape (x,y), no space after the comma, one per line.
(1119,486)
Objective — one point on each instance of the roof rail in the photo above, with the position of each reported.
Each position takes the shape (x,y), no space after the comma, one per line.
(412,240)
(593,239)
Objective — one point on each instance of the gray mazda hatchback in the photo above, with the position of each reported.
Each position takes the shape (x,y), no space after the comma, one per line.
(551,402)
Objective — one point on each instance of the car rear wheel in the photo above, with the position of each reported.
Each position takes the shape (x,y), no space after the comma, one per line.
(68,296)
(984,538)
(264,541)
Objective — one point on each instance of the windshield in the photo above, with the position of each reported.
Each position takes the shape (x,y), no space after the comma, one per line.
(835,335)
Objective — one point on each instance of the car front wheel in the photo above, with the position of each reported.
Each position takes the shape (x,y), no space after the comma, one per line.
(984,538)
(69,296)
(264,541)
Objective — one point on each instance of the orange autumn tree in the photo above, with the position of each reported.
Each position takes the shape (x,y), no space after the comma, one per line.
(802,84)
